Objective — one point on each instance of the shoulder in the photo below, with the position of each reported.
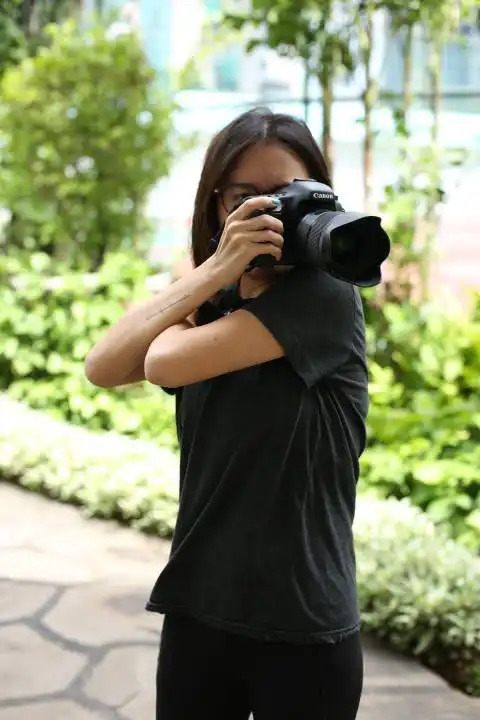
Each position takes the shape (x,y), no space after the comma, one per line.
(306,281)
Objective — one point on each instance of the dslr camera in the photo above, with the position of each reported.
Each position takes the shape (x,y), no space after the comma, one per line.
(317,231)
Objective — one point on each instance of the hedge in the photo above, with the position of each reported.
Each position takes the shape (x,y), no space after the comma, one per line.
(424,417)
(110,475)
(418,589)
(50,317)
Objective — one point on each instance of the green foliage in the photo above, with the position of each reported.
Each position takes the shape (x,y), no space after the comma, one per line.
(22,26)
(403,13)
(305,29)
(110,475)
(47,326)
(409,210)
(13,45)
(338,35)
(85,136)
(418,589)
(441,18)
(313,32)
(424,419)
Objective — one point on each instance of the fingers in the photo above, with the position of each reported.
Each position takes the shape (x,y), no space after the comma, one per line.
(245,237)
(265,242)
(259,222)
(243,212)
(269,236)
(267,249)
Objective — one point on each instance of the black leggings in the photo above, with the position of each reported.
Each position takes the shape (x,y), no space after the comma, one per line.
(208,673)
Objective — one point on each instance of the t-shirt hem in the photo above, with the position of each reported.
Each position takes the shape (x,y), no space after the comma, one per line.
(267,635)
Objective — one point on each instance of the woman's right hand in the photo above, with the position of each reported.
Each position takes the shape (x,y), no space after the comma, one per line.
(245,237)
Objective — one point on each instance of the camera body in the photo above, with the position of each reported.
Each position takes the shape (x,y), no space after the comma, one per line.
(295,201)
(318,232)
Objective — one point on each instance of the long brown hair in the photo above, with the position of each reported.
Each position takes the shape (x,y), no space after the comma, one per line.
(251,128)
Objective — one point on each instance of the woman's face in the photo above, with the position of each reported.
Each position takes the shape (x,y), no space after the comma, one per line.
(261,169)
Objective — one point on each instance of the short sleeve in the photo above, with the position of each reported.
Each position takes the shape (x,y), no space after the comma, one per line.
(312,316)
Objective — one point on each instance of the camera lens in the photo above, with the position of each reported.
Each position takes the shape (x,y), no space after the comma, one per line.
(343,247)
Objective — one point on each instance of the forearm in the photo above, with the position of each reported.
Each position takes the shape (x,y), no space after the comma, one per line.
(125,344)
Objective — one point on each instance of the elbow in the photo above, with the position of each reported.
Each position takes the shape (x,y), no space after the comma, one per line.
(159,371)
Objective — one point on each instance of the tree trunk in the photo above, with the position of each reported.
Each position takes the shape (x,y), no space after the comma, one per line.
(435,72)
(306,94)
(26,11)
(368,101)
(368,151)
(431,220)
(327,102)
(407,74)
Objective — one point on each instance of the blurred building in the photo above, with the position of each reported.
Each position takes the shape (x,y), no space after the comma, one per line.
(152,18)
(222,75)
(175,32)
(461,63)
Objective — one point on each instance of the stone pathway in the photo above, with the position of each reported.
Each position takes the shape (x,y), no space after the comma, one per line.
(76,644)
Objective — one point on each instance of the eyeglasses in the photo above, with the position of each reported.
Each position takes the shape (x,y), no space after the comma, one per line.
(233,194)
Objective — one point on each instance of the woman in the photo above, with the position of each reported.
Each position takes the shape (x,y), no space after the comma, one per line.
(259,595)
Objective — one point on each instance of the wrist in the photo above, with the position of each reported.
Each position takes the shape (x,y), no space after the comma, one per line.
(214,274)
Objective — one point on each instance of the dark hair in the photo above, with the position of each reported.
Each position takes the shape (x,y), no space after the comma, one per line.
(256,126)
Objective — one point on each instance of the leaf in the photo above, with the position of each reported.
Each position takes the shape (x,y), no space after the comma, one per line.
(10,347)
(54,363)
(253,44)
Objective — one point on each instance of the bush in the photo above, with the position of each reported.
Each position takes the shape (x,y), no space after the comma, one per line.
(111,476)
(419,589)
(46,329)
(13,43)
(424,419)
(85,135)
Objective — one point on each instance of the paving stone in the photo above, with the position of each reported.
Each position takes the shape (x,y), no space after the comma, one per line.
(72,549)
(142,707)
(14,535)
(93,614)
(134,693)
(16,504)
(18,600)
(50,711)
(31,564)
(412,706)
(35,513)
(80,549)
(30,665)
(383,668)
(102,542)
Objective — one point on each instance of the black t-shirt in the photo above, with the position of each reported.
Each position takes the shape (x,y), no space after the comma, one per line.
(263,544)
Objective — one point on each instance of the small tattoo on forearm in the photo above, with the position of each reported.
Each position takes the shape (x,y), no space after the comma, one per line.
(167,307)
